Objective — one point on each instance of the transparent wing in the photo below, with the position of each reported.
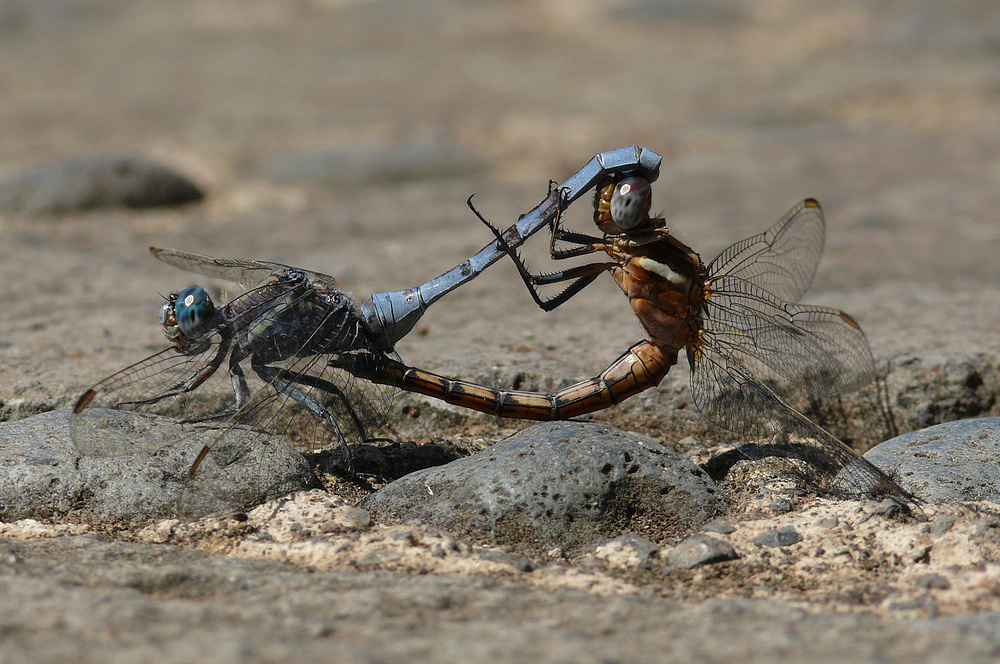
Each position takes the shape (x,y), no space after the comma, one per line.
(185,387)
(310,401)
(190,382)
(817,349)
(246,273)
(287,349)
(783,259)
(730,395)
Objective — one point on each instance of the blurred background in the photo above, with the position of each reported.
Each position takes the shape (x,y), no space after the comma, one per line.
(345,136)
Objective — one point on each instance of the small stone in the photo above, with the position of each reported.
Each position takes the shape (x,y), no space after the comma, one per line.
(828,522)
(889,508)
(775,538)
(942,524)
(515,560)
(933,582)
(720,526)
(700,549)
(627,550)
(780,506)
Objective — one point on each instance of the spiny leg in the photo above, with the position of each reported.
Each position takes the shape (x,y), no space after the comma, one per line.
(284,382)
(240,389)
(582,274)
(589,243)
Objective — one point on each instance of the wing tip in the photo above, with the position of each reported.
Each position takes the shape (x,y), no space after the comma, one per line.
(84,400)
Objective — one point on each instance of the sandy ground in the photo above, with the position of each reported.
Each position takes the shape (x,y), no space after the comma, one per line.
(884,111)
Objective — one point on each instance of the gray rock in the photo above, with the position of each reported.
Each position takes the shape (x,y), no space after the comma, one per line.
(934,388)
(96,182)
(700,549)
(365,165)
(720,526)
(942,524)
(515,560)
(950,462)
(628,550)
(558,484)
(932,582)
(38,472)
(786,536)
(887,508)
(43,475)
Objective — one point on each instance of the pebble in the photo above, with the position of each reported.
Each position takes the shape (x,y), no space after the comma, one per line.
(785,536)
(700,549)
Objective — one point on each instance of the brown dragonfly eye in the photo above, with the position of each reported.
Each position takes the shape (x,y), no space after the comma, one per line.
(630,202)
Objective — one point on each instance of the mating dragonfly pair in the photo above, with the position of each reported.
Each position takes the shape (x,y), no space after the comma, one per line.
(322,364)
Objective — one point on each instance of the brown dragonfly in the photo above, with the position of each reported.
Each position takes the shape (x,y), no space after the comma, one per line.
(746,338)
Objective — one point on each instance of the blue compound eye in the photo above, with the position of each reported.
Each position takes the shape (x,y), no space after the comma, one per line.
(194,310)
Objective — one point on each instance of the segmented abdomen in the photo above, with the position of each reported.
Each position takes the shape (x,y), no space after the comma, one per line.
(643,366)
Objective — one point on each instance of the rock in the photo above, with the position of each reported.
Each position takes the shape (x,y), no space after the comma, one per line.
(365,165)
(515,560)
(888,508)
(38,474)
(43,475)
(786,536)
(700,549)
(720,526)
(932,582)
(96,182)
(558,484)
(934,388)
(626,551)
(942,524)
(951,462)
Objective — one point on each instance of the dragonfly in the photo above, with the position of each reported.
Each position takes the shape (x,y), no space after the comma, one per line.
(293,346)
(747,340)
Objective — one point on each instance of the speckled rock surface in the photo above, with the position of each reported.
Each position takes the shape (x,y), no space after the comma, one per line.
(556,485)
(946,463)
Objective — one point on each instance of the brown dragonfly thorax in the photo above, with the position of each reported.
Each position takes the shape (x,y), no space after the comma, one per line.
(666,284)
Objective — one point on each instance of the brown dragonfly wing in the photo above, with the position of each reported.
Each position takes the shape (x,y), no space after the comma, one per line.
(730,395)
(783,259)
(817,349)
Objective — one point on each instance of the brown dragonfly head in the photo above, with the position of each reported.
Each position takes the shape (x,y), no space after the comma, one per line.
(622,205)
